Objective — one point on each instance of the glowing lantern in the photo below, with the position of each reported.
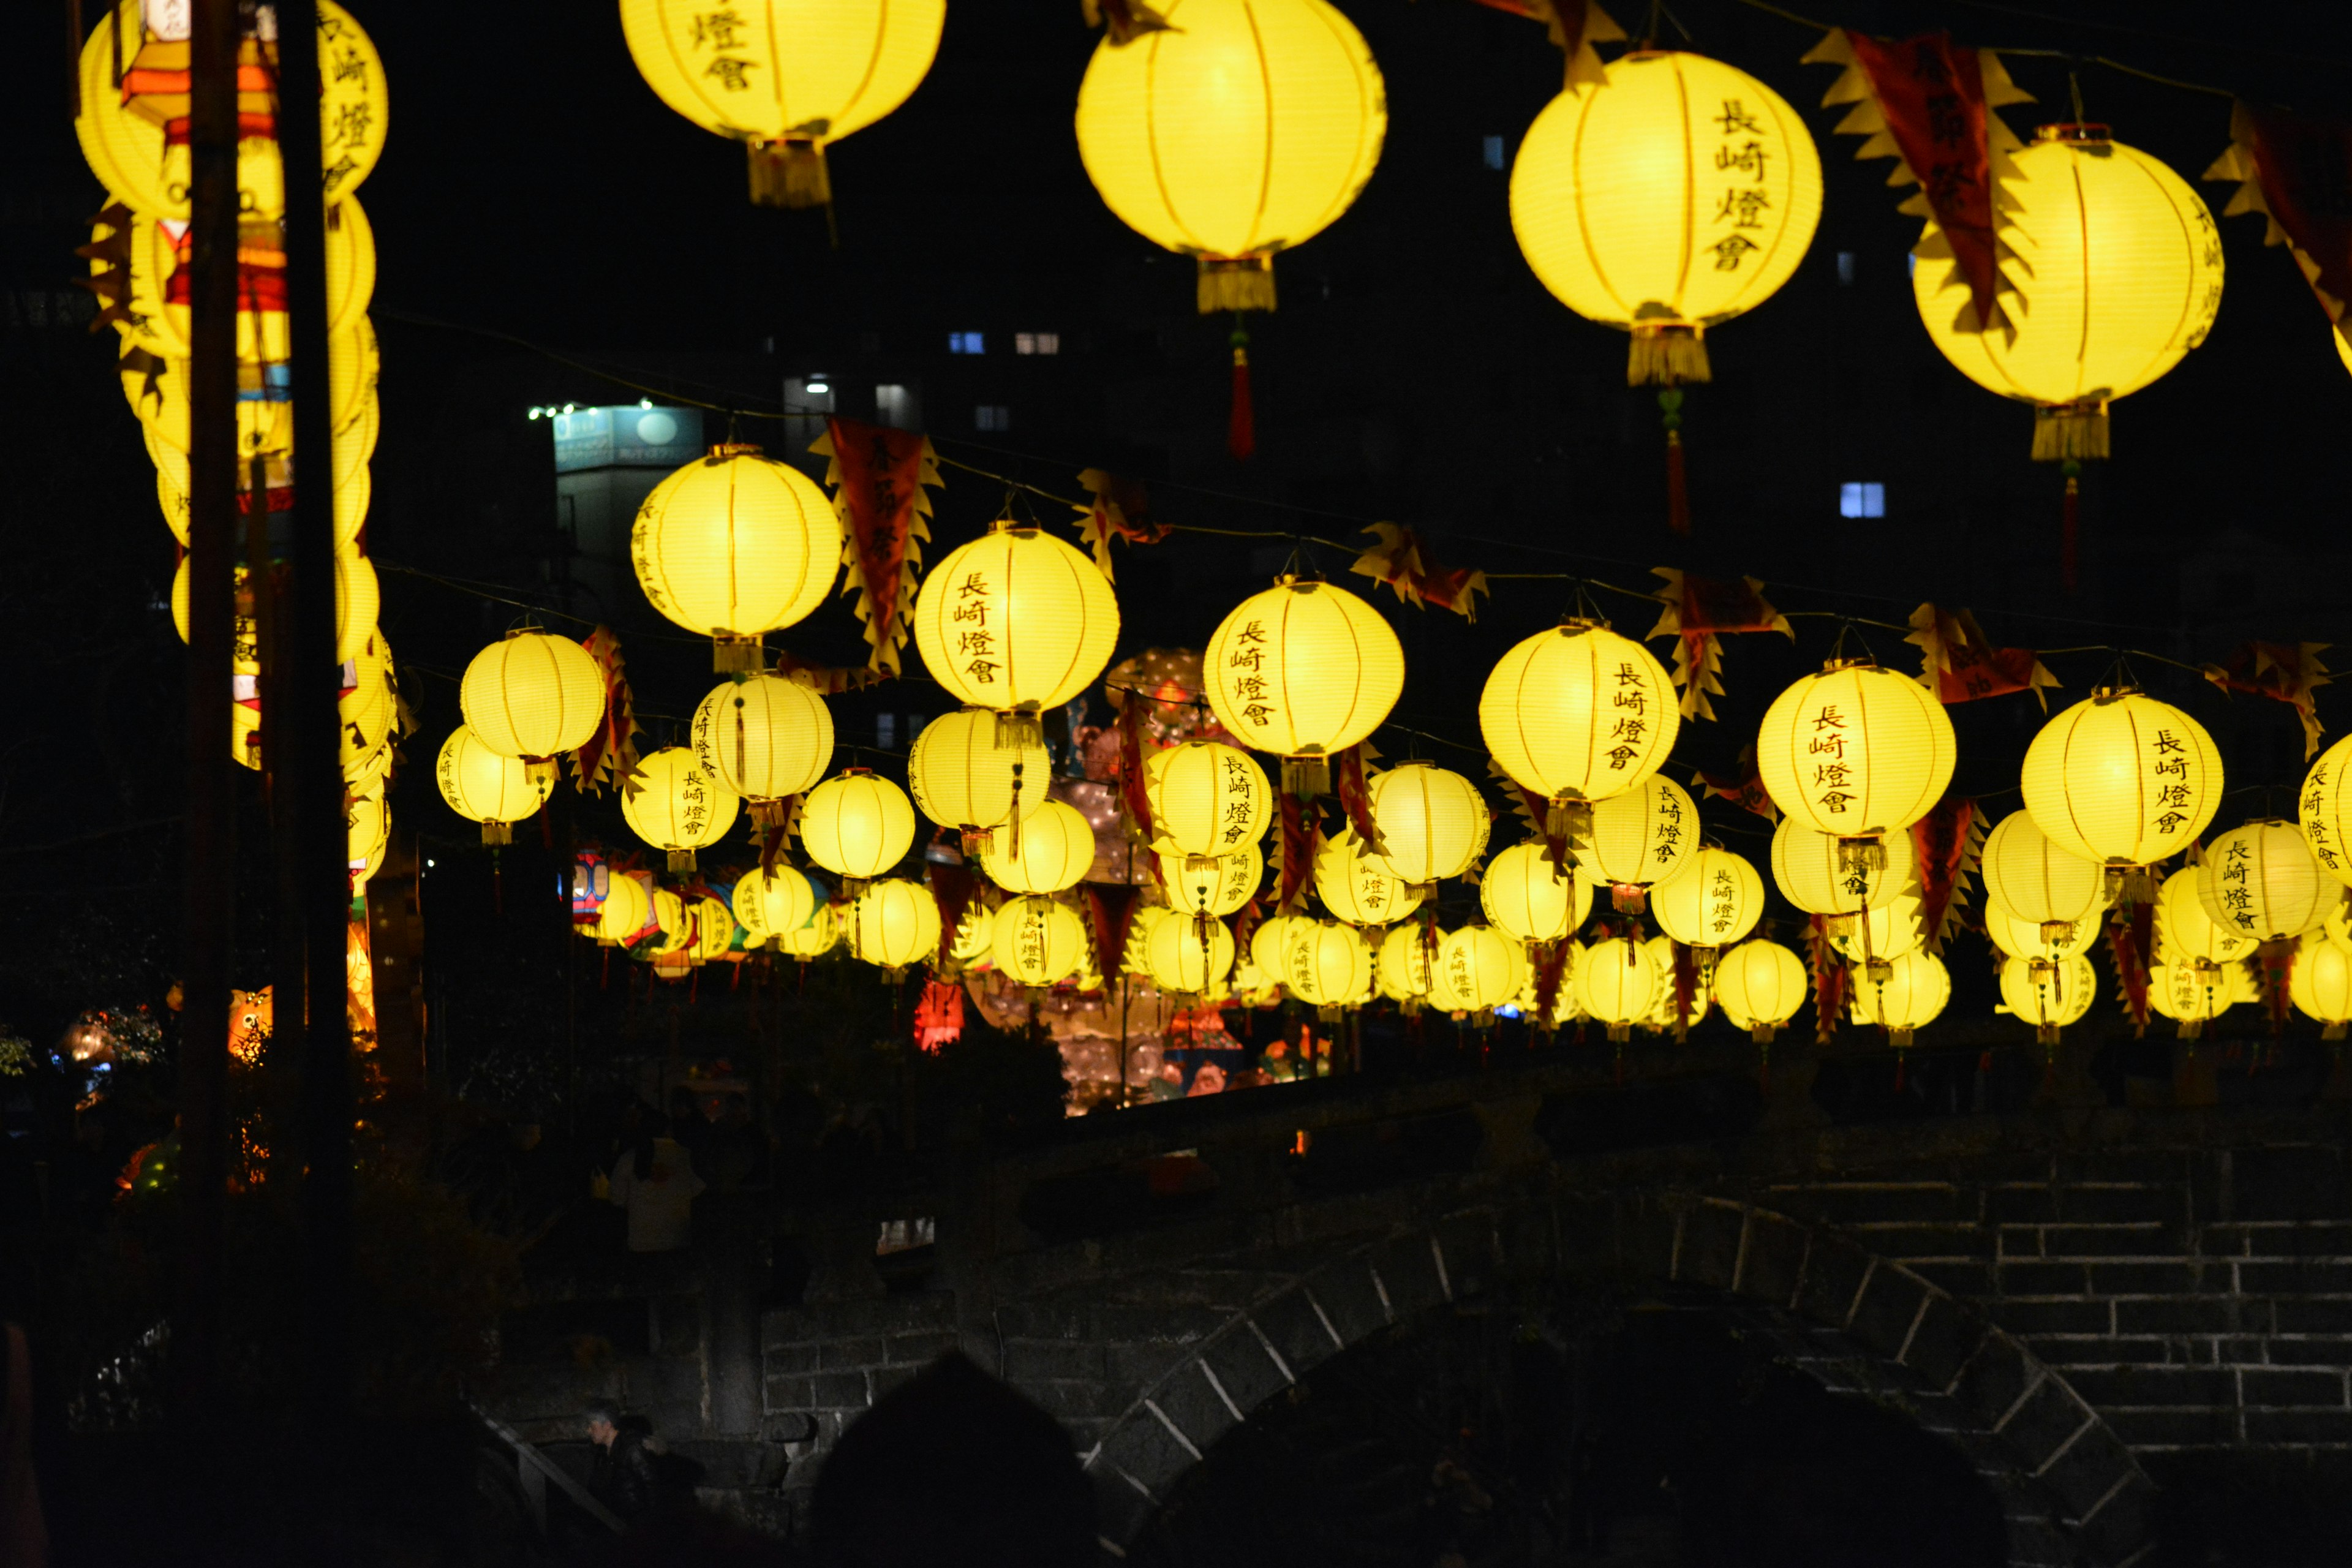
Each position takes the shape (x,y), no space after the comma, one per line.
(482,786)
(1529,899)
(2122,779)
(785,77)
(1816,871)
(857,825)
(1359,888)
(2191,992)
(1266,942)
(962,778)
(1873,937)
(674,925)
(1433,822)
(1638,837)
(1482,967)
(627,910)
(2035,880)
(1713,903)
(2323,810)
(2185,928)
(1056,851)
(1219,887)
(1303,670)
(714,930)
(1759,985)
(1677,194)
(1324,964)
(2048,995)
(1140,927)
(969,944)
(1242,128)
(265,428)
(765,738)
(1856,750)
(2262,881)
(1015,622)
(894,923)
(358,598)
(1207,799)
(814,940)
(2321,984)
(1189,957)
(1578,714)
(1038,941)
(1404,964)
(533,696)
(1904,995)
(367,831)
(1617,983)
(772,902)
(671,803)
(2018,938)
(733,546)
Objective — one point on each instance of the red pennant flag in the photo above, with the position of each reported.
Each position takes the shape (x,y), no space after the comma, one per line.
(611,752)
(1110,909)
(878,477)
(1744,789)
(1120,509)
(1401,562)
(2291,171)
(1948,841)
(1699,612)
(2284,672)
(1348,777)
(1959,664)
(1829,979)
(1575,26)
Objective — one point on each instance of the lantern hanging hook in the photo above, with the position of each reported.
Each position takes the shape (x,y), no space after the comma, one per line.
(2074,94)
(1848,627)
(1581,605)
(1301,565)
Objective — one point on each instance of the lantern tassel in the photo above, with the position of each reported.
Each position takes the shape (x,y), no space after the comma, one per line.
(1241,426)
(789,173)
(1677,487)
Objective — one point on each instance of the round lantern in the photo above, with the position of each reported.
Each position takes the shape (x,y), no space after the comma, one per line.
(1241,128)
(2018,937)
(962,778)
(733,546)
(673,925)
(1819,874)
(2124,278)
(814,940)
(2035,880)
(357,600)
(2262,881)
(2048,996)
(671,803)
(765,737)
(1207,798)
(857,825)
(2320,984)
(772,903)
(1875,937)
(1905,995)
(1057,850)
(2186,929)
(1219,887)
(367,832)
(2190,992)
(894,923)
(626,910)
(533,696)
(1038,941)
(1677,194)
(482,786)
(2324,808)
(1188,957)
(1303,670)
(1266,940)
(785,77)
(1403,963)
(1760,985)
(1578,714)
(1359,888)
(714,930)
(1433,822)
(1646,834)
(1528,898)
(969,944)
(265,427)
(1856,750)
(2122,779)
(1617,983)
(1323,963)
(1713,903)
(1015,622)
(1482,967)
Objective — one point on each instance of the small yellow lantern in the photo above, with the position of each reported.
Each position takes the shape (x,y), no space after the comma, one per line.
(2262,881)
(1207,799)
(1358,889)
(1856,750)
(2186,929)
(673,923)
(1578,714)
(714,930)
(1816,872)
(2191,992)
(2048,995)
(1303,670)
(894,923)
(1529,899)
(1188,957)
(2035,880)
(1056,851)
(1324,964)
(1617,983)
(857,825)
(772,903)
(1760,985)
(2122,779)
(1904,995)
(482,786)
(2324,808)
(1713,903)
(1145,920)
(1640,836)
(357,600)
(1015,622)
(733,546)
(1433,822)
(765,738)
(671,803)
(819,937)
(1482,967)
(1404,964)
(962,779)
(1038,941)
(626,909)
(2320,984)
(1219,887)
(533,696)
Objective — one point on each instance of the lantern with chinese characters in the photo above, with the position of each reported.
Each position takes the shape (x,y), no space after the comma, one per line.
(1617,983)
(1904,995)
(1266,942)
(1207,799)
(857,825)
(819,937)
(1015,622)
(1038,941)
(671,803)
(1676,195)
(627,908)
(1359,888)
(1816,872)
(1578,714)
(733,546)
(2325,809)
(1759,985)
(785,77)
(765,738)
(1303,670)
(1713,903)
(962,779)
(1403,963)
(1875,937)
(482,786)
(1056,851)
(1240,129)
(533,696)
(2048,995)
(2262,881)
(2190,993)
(357,600)
(1324,964)
(1856,751)
(1433,822)
(1529,899)
(894,923)
(714,929)
(1219,887)
(2321,983)
(1638,837)
(1191,957)
(2185,928)
(673,925)
(1482,967)
(2035,880)
(2122,779)
(772,902)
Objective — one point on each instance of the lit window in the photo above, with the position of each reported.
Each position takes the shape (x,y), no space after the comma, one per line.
(1845,267)
(992,416)
(1036,342)
(894,405)
(1863,499)
(967,344)
(1492,152)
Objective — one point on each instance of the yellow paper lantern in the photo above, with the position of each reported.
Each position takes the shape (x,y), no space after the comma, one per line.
(2016,937)
(2262,881)
(1529,899)
(772,902)
(1358,889)
(1640,836)
(674,922)
(765,738)
(533,696)
(857,825)
(2048,995)
(482,786)
(894,923)
(1856,750)
(2123,276)
(367,831)
(1303,670)
(2324,808)
(1675,196)
(2320,984)
(1714,901)
(1189,956)
(819,937)
(626,909)
(1038,941)
(2122,779)
(1815,871)
(158,394)
(1207,798)
(1760,985)
(1617,983)
(733,546)
(1903,996)
(969,944)
(1324,964)
(2185,928)
(1578,714)
(1403,963)
(962,779)
(1242,128)
(1873,937)
(357,600)
(785,77)
(1266,940)
(1135,959)
(1015,622)
(1221,886)
(1057,850)
(1482,967)
(2035,880)
(1435,823)
(2191,992)
(671,803)
(714,930)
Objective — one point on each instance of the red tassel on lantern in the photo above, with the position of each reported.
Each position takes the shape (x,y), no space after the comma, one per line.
(1670,403)
(2069,536)
(1241,430)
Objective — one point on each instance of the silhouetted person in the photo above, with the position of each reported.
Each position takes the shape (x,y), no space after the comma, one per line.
(623,1479)
(954,1469)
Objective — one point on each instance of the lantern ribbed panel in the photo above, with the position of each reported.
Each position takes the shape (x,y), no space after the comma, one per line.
(1358,889)
(1244,129)
(1807,866)
(1016,620)
(1057,851)
(1888,931)
(2034,880)
(1633,204)
(1714,901)
(1579,712)
(1303,669)
(766,737)
(1403,963)
(2048,996)
(1528,898)
(1037,941)
(1911,995)
(770,903)
(894,923)
(857,825)
(1759,984)
(1207,798)
(962,778)
(676,920)
(1616,983)
(2122,779)
(2321,984)
(676,805)
(2018,937)
(1266,942)
(1182,958)
(2191,992)
(736,545)
(2185,928)
(830,67)
(625,910)
(533,695)
(2324,808)
(714,929)
(1324,964)
(367,831)
(483,787)
(1221,888)
(2262,881)
(1854,751)
(1433,822)
(819,936)
(1641,837)
(1482,967)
